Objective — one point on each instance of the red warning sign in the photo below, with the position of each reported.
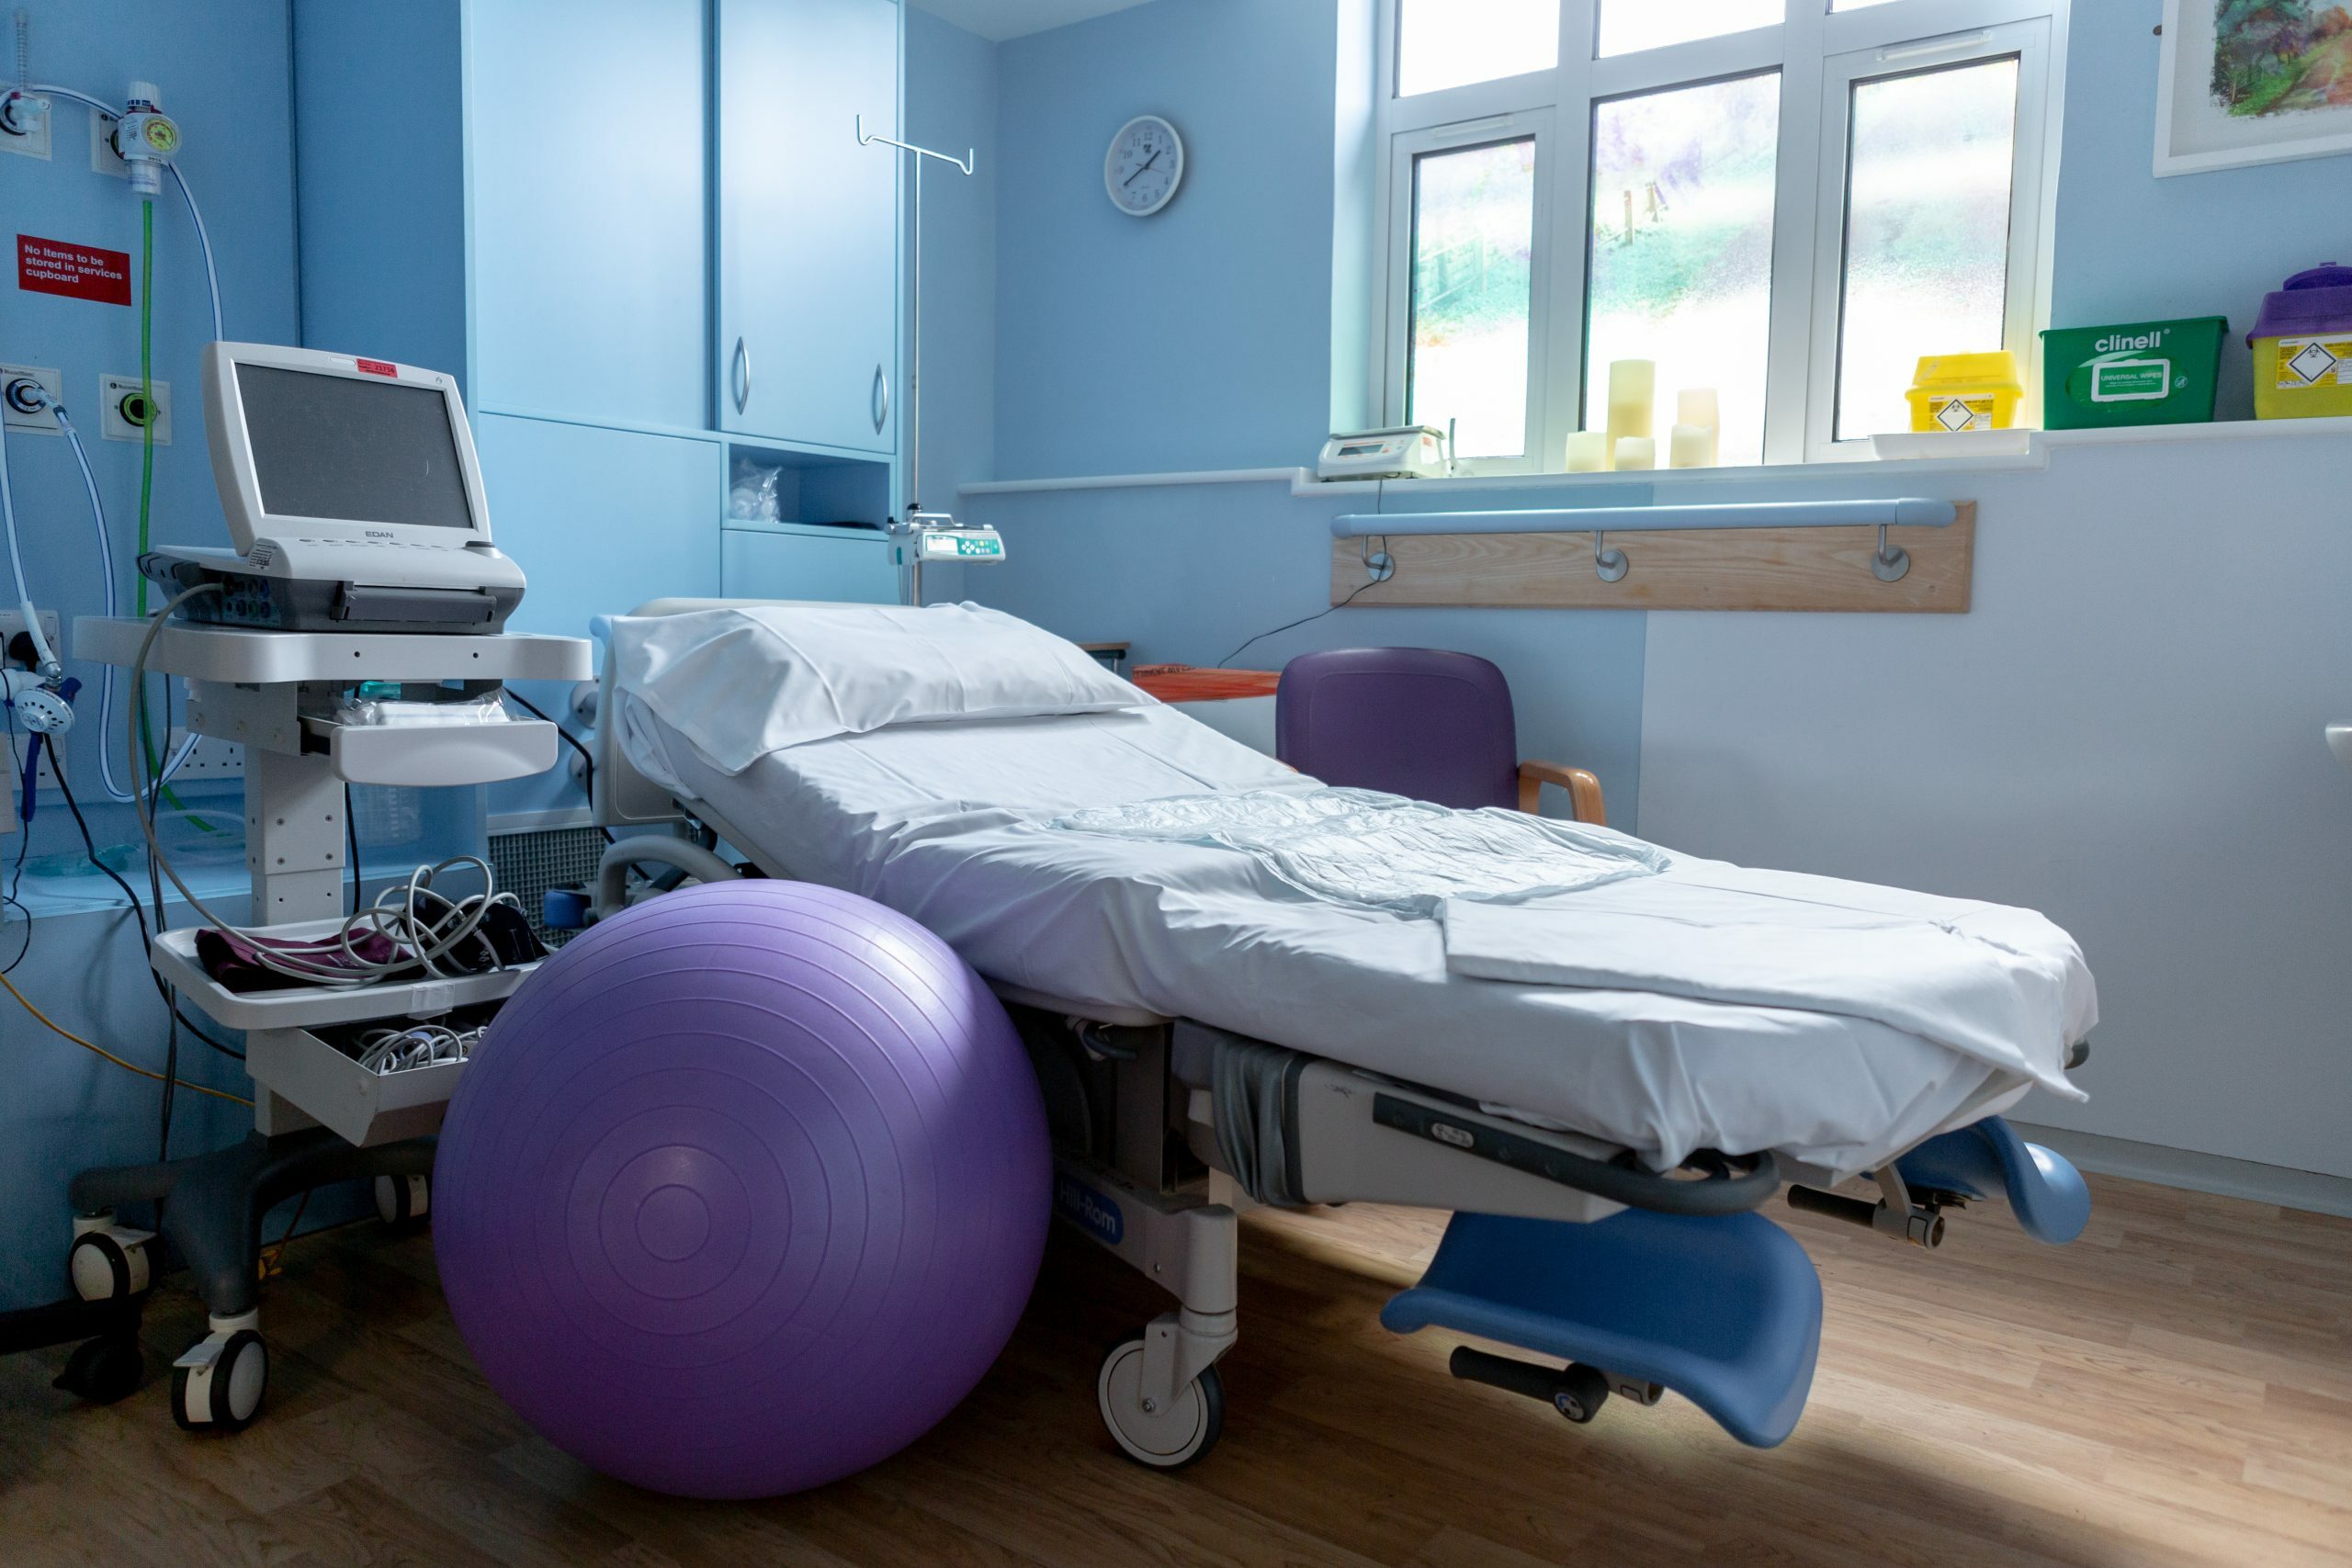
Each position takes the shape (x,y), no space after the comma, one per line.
(78,272)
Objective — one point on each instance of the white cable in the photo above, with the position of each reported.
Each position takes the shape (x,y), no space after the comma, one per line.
(44,661)
(106,564)
(203,238)
(105,567)
(419,939)
(204,244)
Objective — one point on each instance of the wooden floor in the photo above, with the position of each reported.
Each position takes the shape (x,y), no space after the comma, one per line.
(2176,1387)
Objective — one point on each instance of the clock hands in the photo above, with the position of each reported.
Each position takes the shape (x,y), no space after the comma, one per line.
(1147,163)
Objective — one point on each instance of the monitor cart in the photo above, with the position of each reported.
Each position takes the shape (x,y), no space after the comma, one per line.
(317,1117)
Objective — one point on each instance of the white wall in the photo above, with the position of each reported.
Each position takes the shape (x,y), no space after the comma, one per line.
(2125,732)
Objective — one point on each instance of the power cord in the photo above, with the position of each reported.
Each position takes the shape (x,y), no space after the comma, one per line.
(163,988)
(587,763)
(1301,621)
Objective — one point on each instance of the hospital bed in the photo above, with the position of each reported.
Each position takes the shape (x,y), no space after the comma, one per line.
(1207,1040)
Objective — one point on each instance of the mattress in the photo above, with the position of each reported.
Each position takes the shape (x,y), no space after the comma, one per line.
(947,823)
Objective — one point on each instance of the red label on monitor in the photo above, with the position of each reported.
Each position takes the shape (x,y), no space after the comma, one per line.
(78,272)
(378,367)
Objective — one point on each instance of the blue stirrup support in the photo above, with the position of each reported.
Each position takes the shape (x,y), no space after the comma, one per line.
(2045,1192)
(1725,1310)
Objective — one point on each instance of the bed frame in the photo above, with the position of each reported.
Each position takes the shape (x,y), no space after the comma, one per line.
(1145,1163)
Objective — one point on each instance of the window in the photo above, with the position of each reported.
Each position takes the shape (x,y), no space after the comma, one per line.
(1786,202)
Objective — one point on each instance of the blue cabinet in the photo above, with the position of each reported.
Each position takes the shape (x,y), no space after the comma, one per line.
(589,200)
(845,565)
(807,222)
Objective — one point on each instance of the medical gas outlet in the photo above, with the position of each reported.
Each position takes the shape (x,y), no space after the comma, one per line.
(127,409)
(146,139)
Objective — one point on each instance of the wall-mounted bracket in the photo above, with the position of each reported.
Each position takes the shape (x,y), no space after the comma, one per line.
(1609,565)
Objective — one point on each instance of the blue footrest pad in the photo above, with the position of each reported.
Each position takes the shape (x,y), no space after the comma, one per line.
(1725,1310)
(2045,1192)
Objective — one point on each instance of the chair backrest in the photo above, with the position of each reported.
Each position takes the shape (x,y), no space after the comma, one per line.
(1413,721)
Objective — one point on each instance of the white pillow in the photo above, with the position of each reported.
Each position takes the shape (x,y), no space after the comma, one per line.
(745,681)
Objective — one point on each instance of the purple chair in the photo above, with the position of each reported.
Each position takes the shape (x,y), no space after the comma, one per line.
(1419,722)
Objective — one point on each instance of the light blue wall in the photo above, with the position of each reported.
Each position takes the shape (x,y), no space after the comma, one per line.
(1188,573)
(2132,247)
(951,106)
(223,70)
(1199,338)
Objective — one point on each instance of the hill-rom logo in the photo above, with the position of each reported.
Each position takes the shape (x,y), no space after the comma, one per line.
(2116,342)
(1089,1210)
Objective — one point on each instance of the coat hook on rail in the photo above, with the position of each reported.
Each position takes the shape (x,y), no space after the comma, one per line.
(1609,565)
(1892,561)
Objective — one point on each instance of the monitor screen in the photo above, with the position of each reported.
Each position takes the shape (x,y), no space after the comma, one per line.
(352,450)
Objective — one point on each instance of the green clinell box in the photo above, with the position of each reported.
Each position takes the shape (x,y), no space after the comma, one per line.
(2139,373)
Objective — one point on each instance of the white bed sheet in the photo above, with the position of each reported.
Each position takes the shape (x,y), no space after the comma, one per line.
(944,822)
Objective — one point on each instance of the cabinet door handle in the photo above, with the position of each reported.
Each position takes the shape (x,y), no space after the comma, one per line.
(739,375)
(880,400)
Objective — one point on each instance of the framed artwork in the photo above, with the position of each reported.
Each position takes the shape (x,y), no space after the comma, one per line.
(2253,82)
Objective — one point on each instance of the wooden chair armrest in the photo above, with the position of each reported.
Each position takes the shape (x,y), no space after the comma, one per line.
(1584,790)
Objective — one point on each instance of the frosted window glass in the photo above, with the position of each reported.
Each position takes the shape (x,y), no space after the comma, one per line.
(1681,268)
(1926,231)
(1474,236)
(1630,25)
(1450,43)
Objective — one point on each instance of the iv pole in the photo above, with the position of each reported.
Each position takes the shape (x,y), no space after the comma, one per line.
(917,519)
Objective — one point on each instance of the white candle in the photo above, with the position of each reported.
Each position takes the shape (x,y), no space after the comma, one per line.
(1698,405)
(1588,451)
(1632,389)
(1690,446)
(1636,451)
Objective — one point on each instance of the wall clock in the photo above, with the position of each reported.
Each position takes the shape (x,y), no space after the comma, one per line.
(1144,166)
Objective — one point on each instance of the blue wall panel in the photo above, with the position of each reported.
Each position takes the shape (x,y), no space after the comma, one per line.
(379,112)
(588,206)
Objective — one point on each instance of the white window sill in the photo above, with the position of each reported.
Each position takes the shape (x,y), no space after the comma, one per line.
(1302,482)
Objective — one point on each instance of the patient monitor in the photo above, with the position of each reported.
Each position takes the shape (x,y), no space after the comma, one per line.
(353,497)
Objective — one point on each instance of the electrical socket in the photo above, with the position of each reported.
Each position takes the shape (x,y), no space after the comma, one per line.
(41,422)
(13,621)
(103,159)
(33,140)
(118,395)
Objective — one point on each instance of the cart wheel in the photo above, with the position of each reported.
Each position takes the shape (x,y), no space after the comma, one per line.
(403,1201)
(218,1385)
(1581,1393)
(108,1263)
(103,1370)
(1164,1440)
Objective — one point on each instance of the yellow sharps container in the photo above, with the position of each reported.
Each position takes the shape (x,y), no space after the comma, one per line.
(1966,391)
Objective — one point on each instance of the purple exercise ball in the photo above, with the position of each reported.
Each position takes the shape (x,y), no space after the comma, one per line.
(744,1191)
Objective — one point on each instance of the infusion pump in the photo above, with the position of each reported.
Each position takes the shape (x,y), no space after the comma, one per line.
(1407,452)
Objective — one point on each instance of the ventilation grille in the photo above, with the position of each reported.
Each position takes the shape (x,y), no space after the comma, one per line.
(529,863)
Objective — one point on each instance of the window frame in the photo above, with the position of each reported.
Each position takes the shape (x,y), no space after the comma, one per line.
(1818,56)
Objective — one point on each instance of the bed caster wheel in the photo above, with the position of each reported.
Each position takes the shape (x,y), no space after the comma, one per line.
(403,1201)
(107,1262)
(103,1370)
(1164,1440)
(1580,1392)
(218,1385)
